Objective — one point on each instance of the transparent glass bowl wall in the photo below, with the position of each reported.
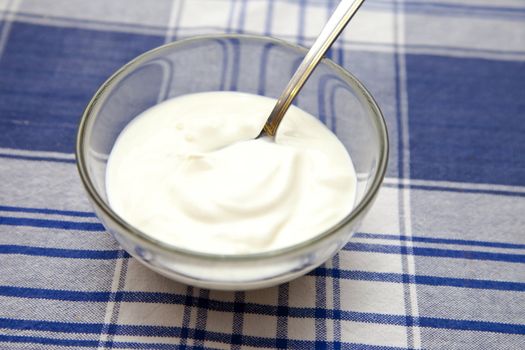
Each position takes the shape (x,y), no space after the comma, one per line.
(257,65)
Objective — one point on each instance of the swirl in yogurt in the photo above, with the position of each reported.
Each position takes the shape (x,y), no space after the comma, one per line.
(191,172)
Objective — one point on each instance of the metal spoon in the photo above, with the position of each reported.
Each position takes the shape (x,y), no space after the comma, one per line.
(335,25)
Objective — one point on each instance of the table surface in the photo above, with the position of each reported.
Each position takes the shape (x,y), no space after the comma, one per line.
(437,264)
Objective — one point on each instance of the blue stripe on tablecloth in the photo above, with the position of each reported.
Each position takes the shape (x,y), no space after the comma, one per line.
(361,247)
(164,331)
(186,316)
(236,64)
(282,307)
(54,294)
(282,316)
(202,317)
(436,252)
(47,211)
(238,319)
(61,253)
(163,298)
(268,22)
(320,304)
(45,223)
(438,240)
(421,279)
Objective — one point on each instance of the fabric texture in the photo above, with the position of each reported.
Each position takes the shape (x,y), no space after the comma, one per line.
(437,264)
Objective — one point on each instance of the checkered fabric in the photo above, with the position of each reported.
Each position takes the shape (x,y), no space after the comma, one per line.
(439,263)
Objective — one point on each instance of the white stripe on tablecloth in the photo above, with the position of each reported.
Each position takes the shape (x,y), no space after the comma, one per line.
(110,307)
(350,44)
(176,12)
(43,154)
(453,185)
(8,18)
(405,154)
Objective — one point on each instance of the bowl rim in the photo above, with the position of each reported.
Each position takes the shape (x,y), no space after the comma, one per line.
(357,212)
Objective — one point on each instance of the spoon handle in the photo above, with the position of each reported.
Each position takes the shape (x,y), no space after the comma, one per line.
(335,25)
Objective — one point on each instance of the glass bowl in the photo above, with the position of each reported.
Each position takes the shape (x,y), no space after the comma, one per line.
(251,64)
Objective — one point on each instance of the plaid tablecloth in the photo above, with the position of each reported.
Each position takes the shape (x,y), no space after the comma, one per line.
(438,264)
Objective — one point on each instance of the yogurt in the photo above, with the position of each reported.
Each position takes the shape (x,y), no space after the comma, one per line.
(190,172)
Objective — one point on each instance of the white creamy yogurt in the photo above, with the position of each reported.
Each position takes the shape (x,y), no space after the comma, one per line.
(190,172)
